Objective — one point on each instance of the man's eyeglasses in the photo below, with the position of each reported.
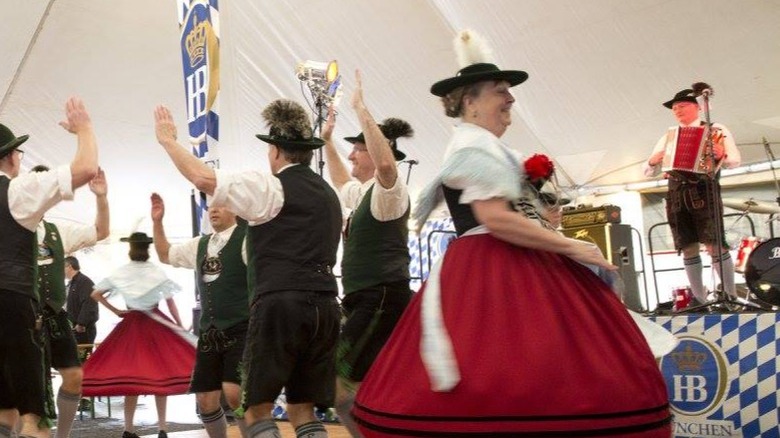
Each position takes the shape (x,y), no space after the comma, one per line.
(21,153)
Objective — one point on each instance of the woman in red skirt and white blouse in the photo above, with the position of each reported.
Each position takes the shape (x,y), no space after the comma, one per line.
(512,335)
(146,353)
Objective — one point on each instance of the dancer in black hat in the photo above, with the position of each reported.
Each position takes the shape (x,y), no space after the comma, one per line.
(147,353)
(23,201)
(693,199)
(511,335)
(375,265)
(294,220)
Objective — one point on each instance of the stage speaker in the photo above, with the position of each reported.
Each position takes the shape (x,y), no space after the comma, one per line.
(614,241)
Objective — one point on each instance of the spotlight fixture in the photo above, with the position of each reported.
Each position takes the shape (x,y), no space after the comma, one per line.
(322,78)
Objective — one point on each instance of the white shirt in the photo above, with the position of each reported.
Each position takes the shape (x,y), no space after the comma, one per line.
(386,204)
(73,236)
(185,255)
(731,160)
(30,195)
(253,195)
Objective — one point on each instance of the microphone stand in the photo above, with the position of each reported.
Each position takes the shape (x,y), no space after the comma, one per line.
(319,106)
(413,162)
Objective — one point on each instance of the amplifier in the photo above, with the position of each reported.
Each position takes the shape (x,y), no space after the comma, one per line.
(616,244)
(583,217)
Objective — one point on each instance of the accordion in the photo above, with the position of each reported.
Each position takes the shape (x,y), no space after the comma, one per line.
(686,150)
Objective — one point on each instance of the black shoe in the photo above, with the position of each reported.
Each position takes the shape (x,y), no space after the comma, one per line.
(162,434)
(127,434)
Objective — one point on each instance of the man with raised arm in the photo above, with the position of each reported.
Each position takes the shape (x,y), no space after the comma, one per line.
(294,225)
(23,201)
(219,259)
(375,264)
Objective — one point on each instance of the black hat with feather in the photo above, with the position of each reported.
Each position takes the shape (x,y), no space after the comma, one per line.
(474,57)
(392,129)
(289,127)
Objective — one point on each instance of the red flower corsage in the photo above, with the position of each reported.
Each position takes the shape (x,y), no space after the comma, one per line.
(538,168)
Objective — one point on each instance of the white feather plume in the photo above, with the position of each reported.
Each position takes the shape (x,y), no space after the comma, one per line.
(471,48)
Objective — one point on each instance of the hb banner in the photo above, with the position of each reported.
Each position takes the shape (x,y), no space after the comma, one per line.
(199,24)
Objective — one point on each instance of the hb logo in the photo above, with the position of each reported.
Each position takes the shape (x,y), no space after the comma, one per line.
(200,50)
(695,374)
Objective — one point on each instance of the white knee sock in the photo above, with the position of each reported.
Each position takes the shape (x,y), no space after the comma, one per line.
(693,269)
(215,423)
(67,405)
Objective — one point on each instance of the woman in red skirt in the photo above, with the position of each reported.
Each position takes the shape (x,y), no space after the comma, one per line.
(146,353)
(512,334)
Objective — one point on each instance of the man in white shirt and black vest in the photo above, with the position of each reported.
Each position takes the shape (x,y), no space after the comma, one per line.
(23,201)
(375,263)
(219,260)
(294,225)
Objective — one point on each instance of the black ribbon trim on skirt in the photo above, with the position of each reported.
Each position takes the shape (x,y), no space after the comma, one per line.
(539,418)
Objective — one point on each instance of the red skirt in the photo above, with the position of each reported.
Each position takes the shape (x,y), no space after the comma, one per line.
(544,348)
(140,356)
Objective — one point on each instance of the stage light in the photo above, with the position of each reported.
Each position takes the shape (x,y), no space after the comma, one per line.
(326,72)
(323,80)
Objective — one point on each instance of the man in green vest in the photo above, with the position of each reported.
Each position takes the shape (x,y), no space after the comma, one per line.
(55,241)
(375,264)
(219,259)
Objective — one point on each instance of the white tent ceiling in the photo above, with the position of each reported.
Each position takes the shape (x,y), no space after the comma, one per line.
(599,70)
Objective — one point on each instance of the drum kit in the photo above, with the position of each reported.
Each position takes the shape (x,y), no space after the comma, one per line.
(758,259)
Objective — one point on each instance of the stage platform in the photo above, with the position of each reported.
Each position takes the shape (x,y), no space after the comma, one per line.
(723,376)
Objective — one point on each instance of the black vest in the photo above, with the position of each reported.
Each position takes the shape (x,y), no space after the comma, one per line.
(296,250)
(224,301)
(375,252)
(18,247)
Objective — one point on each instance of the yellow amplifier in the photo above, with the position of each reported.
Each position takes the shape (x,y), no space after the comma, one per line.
(583,217)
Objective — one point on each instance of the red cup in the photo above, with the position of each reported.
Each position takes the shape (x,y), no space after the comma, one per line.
(682,297)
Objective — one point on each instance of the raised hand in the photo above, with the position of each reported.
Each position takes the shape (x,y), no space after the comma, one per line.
(357,95)
(158,207)
(164,127)
(98,184)
(330,123)
(77,116)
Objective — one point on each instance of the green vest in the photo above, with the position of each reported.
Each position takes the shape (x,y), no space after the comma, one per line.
(51,268)
(224,301)
(374,252)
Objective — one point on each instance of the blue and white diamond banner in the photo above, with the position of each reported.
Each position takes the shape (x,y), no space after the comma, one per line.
(723,376)
(199,25)
(427,247)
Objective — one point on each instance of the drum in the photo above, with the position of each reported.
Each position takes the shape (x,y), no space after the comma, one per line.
(682,297)
(762,273)
(746,246)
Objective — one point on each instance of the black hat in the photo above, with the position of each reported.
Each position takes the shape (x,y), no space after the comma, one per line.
(477,73)
(392,129)
(8,141)
(137,237)
(549,199)
(288,127)
(686,95)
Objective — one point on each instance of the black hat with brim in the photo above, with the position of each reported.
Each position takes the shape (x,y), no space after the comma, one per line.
(360,138)
(8,141)
(477,73)
(297,145)
(137,237)
(548,198)
(686,95)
